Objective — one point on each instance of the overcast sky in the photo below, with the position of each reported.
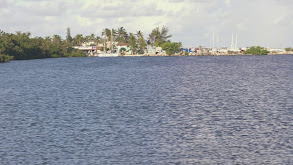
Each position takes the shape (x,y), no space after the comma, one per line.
(266,23)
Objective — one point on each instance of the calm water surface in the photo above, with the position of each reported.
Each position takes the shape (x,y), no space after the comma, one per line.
(169,110)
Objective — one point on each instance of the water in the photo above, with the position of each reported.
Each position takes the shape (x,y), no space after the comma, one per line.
(169,110)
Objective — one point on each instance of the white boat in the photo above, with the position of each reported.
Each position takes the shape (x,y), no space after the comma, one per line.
(108,55)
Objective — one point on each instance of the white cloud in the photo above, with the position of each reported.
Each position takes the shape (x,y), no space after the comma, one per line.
(228,2)
(3,4)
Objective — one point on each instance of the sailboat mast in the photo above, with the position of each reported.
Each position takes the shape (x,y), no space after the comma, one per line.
(281,40)
(104,39)
(213,40)
(232,43)
(111,40)
(236,42)
(218,41)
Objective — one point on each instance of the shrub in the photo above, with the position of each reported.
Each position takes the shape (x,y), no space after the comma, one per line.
(256,50)
(5,58)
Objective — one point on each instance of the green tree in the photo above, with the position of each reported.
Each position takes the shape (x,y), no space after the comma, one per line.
(92,37)
(7,44)
(98,40)
(78,39)
(5,58)
(109,35)
(21,46)
(141,43)
(87,38)
(68,36)
(45,47)
(159,37)
(122,36)
(133,43)
(171,47)
(139,34)
(256,50)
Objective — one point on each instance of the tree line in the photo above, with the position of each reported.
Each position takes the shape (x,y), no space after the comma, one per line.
(159,37)
(21,46)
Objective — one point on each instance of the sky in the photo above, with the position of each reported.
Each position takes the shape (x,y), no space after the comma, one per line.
(266,23)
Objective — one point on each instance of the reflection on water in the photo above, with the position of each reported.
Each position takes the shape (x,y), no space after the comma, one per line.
(172,110)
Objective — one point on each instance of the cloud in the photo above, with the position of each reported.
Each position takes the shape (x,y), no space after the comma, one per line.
(118,11)
(284,2)
(45,8)
(190,21)
(3,3)
(228,2)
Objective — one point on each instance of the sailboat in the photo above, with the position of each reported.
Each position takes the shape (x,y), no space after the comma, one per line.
(108,54)
(234,45)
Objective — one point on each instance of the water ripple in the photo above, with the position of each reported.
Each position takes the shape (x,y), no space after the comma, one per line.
(173,110)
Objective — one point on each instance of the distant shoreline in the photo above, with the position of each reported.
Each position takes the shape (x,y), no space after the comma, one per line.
(178,55)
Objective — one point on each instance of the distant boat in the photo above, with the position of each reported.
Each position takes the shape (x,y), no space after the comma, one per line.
(108,55)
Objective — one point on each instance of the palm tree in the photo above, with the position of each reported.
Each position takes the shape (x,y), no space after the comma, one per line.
(109,36)
(122,35)
(87,38)
(78,39)
(57,40)
(158,37)
(107,33)
(98,40)
(133,43)
(92,37)
(139,34)
(140,42)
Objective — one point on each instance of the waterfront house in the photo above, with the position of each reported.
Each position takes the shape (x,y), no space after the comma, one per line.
(123,47)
